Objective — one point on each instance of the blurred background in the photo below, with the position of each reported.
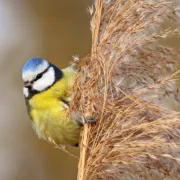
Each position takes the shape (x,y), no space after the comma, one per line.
(54,30)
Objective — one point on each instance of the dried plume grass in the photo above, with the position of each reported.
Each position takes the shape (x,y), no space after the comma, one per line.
(123,85)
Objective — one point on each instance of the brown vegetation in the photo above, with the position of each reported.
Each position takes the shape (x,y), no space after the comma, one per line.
(123,86)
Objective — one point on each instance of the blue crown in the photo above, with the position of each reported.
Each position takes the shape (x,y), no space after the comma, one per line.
(32,64)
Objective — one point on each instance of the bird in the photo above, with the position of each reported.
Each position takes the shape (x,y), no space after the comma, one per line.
(47,91)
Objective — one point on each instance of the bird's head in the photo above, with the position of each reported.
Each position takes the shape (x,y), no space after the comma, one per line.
(38,75)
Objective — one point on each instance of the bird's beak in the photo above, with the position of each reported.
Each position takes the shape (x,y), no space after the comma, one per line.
(27,84)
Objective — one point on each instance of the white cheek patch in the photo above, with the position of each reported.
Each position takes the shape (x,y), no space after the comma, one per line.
(26,92)
(30,75)
(45,81)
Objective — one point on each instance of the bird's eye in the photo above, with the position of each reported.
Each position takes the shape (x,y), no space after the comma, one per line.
(38,76)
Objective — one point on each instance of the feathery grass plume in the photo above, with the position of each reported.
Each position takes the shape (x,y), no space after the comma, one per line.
(123,86)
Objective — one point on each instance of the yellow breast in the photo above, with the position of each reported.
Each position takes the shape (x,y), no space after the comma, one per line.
(50,115)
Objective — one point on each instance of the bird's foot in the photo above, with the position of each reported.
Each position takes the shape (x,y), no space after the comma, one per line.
(88,120)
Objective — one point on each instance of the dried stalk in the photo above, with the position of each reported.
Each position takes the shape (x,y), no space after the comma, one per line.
(124,86)
(84,141)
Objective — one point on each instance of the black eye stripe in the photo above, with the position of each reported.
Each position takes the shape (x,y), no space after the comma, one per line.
(40,74)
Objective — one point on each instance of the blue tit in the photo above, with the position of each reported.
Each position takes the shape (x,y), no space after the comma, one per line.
(47,90)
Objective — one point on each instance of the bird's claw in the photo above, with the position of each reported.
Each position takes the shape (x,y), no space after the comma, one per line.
(88,120)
